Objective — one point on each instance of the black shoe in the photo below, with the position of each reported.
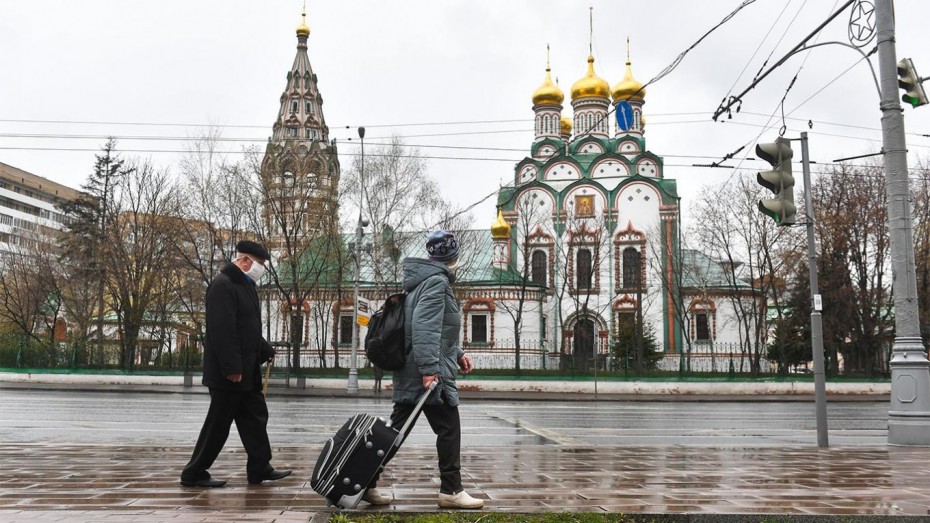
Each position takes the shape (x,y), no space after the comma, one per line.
(270,475)
(203,483)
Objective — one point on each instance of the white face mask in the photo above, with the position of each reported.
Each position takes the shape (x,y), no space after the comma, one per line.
(256,271)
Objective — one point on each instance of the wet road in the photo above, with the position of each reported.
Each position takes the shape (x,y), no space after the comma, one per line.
(39,416)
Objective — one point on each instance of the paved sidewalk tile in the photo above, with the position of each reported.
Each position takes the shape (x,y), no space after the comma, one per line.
(140,484)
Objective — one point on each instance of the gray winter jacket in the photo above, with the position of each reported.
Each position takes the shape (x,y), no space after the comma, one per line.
(432,331)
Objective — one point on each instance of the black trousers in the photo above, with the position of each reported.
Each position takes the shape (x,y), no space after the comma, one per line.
(249,411)
(446,424)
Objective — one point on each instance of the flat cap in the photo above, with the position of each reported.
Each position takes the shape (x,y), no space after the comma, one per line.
(253,248)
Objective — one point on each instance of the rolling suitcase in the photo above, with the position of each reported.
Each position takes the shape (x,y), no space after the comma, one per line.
(352,457)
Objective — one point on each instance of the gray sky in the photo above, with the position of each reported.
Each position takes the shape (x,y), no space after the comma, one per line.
(384,63)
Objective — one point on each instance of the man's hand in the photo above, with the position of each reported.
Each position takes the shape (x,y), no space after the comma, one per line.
(235,378)
(429,378)
(465,364)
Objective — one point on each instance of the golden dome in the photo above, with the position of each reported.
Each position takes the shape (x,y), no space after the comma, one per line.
(591,84)
(642,122)
(500,229)
(628,88)
(548,93)
(303,29)
(566,125)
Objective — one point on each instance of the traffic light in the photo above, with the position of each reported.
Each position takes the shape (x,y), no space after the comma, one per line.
(778,180)
(909,80)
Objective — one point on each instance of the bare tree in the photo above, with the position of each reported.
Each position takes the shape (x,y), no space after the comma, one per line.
(531,277)
(31,298)
(140,247)
(855,261)
(751,250)
(921,209)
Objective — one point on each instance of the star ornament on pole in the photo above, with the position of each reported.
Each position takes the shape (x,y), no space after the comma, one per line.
(862,23)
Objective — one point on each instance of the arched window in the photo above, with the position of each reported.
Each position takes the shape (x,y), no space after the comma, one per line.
(583,269)
(632,268)
(539,264)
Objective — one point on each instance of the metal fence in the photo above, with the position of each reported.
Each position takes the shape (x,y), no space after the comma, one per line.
(500,357)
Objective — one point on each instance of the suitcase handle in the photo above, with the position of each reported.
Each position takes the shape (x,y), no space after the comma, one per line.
(402,434)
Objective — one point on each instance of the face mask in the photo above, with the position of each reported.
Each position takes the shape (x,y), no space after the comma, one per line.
(256,271)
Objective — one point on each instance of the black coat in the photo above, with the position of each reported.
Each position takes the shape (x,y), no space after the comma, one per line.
(234,342)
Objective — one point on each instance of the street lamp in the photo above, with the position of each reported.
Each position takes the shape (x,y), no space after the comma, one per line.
(352,387)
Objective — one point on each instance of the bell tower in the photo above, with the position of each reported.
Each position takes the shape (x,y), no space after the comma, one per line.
(300,170)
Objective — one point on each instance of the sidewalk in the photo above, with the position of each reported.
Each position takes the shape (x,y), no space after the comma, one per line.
(484,388)
(79,483)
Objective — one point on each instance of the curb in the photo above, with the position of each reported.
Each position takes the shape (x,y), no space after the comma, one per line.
(522,390)
(646,517)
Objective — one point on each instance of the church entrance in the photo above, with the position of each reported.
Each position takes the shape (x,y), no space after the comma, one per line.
(583,344)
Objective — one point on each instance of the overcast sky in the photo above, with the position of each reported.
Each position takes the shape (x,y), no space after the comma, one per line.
(390,65)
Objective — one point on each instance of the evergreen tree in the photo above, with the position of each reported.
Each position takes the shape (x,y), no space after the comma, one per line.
(84,243)
(624,349)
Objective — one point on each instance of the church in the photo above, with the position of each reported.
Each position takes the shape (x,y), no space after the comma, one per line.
(586,241)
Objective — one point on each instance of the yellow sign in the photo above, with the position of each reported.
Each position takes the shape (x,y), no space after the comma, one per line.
(364,311)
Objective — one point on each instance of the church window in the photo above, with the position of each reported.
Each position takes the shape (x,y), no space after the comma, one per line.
(539,266)
(345,329)
(308,107)
(479,328)
(702,327)
(583,269)
(307,81)
(291,132)
(632,268)
(293,106)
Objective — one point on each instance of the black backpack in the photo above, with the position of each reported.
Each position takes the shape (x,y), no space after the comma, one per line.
(385,343)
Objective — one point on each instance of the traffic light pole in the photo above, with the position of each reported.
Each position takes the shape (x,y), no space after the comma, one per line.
(820,384)
(909,413)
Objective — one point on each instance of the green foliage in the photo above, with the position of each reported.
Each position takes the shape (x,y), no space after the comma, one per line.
(625,348)
(791,345)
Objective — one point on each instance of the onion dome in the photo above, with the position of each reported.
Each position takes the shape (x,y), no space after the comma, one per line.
(591,84)
(628,88)
(548,93)
(500,229)
(566,125)
(303,29)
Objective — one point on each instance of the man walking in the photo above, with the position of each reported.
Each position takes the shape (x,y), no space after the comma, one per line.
(234,350)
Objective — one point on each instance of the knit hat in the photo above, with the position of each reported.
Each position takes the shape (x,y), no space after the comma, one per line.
(442,246)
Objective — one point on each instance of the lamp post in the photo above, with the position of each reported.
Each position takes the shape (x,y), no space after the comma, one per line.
(909,415)
(359,230)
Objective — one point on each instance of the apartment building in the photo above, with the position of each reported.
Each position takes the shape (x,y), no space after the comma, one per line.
(28,206)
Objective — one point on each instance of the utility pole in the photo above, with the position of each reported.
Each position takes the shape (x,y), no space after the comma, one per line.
(820,384)
(909,413)
(359,230)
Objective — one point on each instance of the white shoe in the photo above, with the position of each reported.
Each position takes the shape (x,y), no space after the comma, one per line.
(460,500)
(373,497)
